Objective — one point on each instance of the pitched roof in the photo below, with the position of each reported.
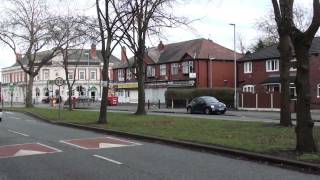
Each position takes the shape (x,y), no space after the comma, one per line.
(273,52)
(197,49)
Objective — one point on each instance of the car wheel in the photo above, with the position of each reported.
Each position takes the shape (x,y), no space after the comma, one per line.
(189,110)
(207,111)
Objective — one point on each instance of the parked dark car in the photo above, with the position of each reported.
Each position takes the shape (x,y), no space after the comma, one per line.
(207,105)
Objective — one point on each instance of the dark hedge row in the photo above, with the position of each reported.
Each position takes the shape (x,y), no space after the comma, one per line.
(181,97)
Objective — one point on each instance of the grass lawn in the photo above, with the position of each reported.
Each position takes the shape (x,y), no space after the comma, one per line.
(250,136)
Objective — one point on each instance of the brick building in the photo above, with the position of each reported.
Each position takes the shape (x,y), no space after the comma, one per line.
(259,72)
(198,63)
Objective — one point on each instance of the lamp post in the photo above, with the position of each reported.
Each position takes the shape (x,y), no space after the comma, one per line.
(88,78)
(235,65)
(211,58)
(101,68)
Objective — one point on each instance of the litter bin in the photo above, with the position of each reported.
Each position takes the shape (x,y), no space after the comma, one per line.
(112,100)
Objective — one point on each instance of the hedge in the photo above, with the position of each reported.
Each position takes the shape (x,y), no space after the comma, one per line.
(181,97)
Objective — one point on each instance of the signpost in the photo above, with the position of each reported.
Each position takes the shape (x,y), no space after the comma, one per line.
(11,89)
(59,82)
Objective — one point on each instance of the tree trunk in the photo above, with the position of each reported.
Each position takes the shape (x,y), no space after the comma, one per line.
(304,128)
(29,102)
(141,93)
(285,57)
(104,100)
(70,96)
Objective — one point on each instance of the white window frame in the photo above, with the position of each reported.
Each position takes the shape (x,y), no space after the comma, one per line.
(84,74)
(129,74)
(191,67)
(293,61)
(174,69)
(151,71)
(70,75)
(95,75)
(272,65)
(247,67)
(46,74)
(318,90)
(292,86)
(248,88)
(120,74)
(185,67)
(163,69)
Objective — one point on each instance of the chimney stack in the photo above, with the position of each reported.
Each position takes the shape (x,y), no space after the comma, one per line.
(93,51)
(160,46)
(18,57)
(123,54)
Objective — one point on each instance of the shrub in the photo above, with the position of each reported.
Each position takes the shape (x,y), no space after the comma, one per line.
(181,97)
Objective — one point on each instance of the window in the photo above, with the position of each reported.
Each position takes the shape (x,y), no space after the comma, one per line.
(248,67)
(46,74)
(292,91)
(191,68)
(163,69)
(82,75)
(293,64)
(272,65)
(248,88)
(93,75)
(151,71)
(121,74)
(70,75)
(174,68)
(185,67)
(273,88)
(129,74)
(318,91)
(37,92)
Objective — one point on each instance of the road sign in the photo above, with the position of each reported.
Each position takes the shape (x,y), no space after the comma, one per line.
(59,81)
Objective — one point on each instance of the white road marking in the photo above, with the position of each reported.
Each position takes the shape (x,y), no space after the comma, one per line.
(107,159)
(57,150)
(16,118)
(74,145)
(22,134)
(137,144)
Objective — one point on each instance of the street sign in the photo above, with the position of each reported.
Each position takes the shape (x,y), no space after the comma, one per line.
(59,81)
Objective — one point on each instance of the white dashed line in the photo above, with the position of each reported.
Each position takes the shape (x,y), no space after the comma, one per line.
(22,134)
(107,159)
(74,145)
(58,150)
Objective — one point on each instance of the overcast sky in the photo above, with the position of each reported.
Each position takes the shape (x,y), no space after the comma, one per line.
(215,17)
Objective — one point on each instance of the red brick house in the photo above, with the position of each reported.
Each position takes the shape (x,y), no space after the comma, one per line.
(259,72)
(198,63)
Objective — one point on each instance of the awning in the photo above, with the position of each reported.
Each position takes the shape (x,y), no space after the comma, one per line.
(276,80)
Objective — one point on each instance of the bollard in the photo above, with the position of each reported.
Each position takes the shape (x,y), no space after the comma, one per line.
(159,103)
(148,104)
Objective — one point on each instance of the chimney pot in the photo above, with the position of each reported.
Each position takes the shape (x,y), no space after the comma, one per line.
(93,51)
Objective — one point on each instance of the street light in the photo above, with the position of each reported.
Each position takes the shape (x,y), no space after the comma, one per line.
(211,58)
(88,54)
(101,68)
(235,65)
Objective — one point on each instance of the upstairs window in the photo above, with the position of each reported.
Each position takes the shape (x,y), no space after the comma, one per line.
(163,69)
(247,67)
(121,74)
(272,65)
(151,71)
(174,68)
(93,75)
(129,74)
(191,67)
(70,75)
(185,67)
(82,75)
(46,74)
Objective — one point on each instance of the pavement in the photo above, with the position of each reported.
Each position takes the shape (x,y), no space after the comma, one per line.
(31,149)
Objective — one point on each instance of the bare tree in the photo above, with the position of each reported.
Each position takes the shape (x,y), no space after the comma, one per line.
(73,32)
(149,17)
(301,41)
(109,13)
(282,16)
(26,30)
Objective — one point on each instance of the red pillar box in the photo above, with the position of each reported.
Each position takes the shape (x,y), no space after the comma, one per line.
(112,100)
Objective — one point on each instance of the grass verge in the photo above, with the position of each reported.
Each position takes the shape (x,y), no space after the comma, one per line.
(250,136)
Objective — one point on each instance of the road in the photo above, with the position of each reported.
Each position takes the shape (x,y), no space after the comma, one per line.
(31,149)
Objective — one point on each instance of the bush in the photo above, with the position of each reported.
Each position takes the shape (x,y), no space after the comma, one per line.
(181,97)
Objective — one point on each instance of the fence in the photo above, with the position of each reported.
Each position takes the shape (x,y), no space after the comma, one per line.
(262,101)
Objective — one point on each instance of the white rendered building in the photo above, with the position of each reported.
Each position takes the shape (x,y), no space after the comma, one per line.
(86,65)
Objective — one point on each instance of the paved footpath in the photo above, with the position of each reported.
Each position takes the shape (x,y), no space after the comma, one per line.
(31,150)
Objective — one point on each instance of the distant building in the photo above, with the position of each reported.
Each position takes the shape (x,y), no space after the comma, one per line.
(198,63)
(44,86)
